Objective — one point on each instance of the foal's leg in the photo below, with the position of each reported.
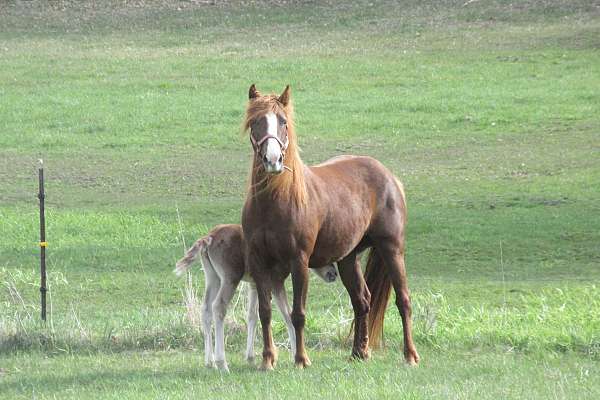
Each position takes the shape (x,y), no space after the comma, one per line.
(219,308)
(284,308)
(251,322)
(355,284)
(300,285)
(394,259)
(212,284)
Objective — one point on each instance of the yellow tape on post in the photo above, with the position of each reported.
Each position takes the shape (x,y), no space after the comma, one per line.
(43,244)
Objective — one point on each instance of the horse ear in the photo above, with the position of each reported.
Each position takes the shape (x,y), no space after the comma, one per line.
(253,92)
(284,99)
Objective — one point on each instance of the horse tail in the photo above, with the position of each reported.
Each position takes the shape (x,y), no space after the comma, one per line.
(379,284)
(190,256)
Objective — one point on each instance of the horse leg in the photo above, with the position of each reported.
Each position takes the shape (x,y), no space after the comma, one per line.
(284,308)
(212,284)
(394,259)
(251,322)
(300,285)
(355,284)
(263,288)
(219,308)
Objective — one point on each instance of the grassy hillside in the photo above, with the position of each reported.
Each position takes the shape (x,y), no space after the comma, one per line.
(486,110)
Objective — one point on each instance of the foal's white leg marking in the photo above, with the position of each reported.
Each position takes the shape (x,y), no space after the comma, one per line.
(219,308)
(273,150)
(251,321)
(284,307)
(212,284)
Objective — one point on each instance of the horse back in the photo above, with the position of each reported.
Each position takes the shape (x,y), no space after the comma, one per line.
(361,201)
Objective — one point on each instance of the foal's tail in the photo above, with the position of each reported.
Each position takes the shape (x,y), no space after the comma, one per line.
(191,255)
(379,284)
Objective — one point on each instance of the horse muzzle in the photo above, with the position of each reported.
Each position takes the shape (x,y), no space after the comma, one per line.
(273,167)
(272,159)
(331,276)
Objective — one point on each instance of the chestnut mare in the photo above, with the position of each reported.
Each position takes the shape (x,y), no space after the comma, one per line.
(297,217)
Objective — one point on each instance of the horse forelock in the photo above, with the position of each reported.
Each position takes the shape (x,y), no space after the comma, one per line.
(289,185)
(262,105)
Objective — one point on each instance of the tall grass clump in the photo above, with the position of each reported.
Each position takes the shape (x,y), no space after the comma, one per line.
(555,319)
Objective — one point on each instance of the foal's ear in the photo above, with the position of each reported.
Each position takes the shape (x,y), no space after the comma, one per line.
(253,92)
(284,99)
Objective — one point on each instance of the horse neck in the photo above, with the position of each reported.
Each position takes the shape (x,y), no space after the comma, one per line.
(289,186)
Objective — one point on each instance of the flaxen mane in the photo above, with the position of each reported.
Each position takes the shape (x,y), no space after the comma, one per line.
(289,185)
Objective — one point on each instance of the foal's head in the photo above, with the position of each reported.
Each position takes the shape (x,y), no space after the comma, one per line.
(269,119)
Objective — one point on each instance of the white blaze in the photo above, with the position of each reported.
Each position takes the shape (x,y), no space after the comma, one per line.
(273,149)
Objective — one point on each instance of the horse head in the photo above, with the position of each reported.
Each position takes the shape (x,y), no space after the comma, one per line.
(268,118)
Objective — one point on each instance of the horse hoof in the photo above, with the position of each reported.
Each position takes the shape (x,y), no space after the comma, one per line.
(411,362)
(222,365)
(302,362)
(266,366)
(269,360)
(412,358)
(360,355)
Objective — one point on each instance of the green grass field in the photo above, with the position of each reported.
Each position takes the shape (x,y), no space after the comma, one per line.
(489,112)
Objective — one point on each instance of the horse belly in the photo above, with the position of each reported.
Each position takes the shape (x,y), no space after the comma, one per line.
(336,241)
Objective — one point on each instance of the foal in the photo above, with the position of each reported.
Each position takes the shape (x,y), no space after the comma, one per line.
(221,251)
